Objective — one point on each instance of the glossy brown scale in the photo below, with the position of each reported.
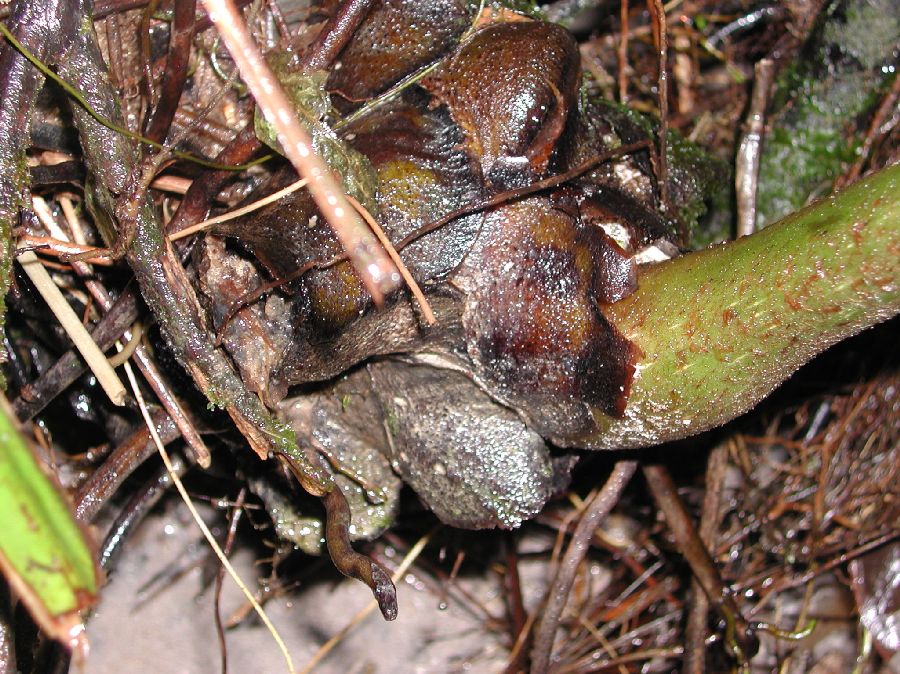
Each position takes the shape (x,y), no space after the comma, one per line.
(615,274)
(422,173)
(396,38)
(289,236)
(611,208)
(522,355)
(616,269)
(534,330)
(622,193)
(534,272)
(511,87)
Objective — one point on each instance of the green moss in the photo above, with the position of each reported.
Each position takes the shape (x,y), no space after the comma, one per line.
(393,423)
(214,402)
(695,179)
(526,7)
(291,524)
(283,437)
(153,237)
(868,32)
(695,176)
(313,107)
(799,162)
(822,101)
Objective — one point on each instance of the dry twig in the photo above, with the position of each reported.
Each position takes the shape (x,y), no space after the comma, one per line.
(73,326)
(373,265)
(747,161)
(595,511)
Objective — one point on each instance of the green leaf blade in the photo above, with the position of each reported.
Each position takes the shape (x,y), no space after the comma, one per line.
(43,551)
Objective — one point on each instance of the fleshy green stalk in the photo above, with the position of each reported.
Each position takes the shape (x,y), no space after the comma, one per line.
(720,328)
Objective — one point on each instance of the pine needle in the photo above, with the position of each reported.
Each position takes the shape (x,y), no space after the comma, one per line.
(395,256)
(238,212)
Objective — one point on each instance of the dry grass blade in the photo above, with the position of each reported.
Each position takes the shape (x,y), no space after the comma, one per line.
(174,184)
(238,212)
(60,248)
(73,326)
(623,53)
(378,273)
(133,345)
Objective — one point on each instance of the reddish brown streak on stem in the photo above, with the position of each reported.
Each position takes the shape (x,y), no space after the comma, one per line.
(196,201)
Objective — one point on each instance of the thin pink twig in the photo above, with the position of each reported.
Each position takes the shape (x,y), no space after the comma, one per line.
(371,262)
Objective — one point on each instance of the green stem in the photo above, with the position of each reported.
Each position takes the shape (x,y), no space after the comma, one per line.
(720,328)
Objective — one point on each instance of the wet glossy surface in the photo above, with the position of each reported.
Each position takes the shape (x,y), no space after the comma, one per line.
(533,325)
(522,353)
(395,39)
(511,87)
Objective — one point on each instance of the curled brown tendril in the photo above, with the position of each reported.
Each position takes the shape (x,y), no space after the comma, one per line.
(351,563)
